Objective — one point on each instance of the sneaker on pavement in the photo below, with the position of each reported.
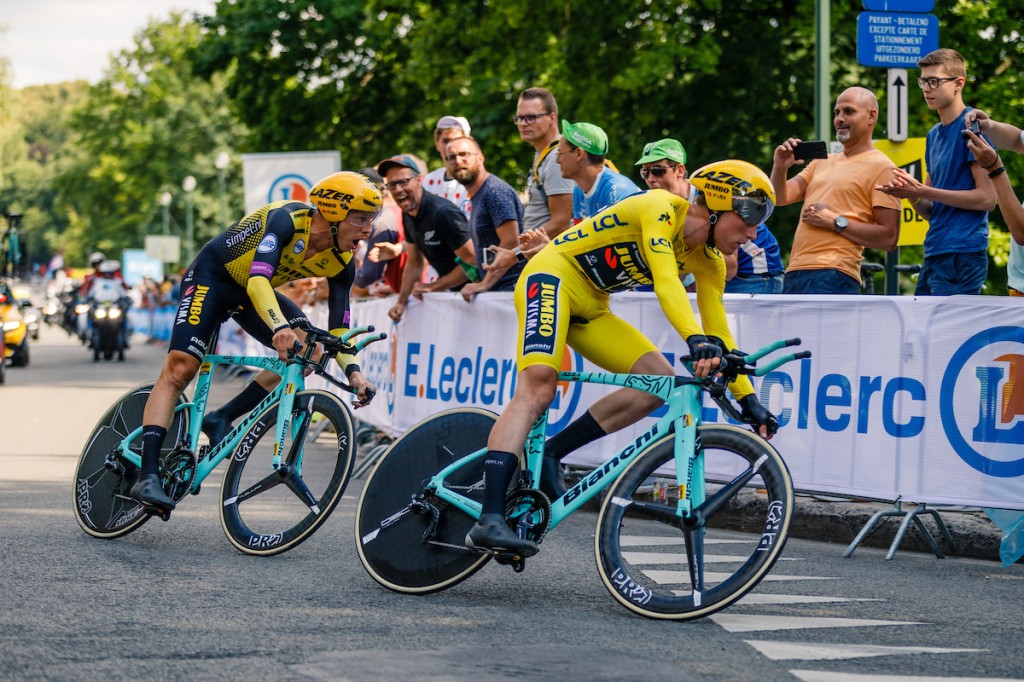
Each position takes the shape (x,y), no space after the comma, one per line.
(551,482)
(149,492)
(215,426)
(492,533)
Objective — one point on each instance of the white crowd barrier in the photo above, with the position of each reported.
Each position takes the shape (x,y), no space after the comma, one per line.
(915,398)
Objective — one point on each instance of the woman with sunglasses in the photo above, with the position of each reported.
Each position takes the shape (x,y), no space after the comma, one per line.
(562,298)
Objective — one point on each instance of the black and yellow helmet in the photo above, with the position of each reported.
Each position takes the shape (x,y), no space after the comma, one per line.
(337,194)
(734,185)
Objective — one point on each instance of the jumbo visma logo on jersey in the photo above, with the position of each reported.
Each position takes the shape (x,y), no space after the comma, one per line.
(988,371)
(541,314)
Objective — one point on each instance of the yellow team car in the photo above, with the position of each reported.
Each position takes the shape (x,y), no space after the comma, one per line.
(15,330)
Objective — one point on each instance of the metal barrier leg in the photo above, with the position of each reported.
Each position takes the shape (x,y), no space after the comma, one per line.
(872,522)
(943,530)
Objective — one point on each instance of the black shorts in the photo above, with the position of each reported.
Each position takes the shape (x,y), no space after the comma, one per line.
(208,296)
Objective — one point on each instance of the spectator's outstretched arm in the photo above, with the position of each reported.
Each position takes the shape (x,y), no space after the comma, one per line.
(786,191)
(1003,135)
(1009,205)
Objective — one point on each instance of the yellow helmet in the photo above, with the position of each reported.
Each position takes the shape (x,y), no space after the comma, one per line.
(337,194)
(734,185)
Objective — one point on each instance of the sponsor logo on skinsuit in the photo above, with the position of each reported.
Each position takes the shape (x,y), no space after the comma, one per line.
(541,314)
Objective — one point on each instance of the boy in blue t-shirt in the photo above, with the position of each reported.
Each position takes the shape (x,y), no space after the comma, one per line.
(957,193)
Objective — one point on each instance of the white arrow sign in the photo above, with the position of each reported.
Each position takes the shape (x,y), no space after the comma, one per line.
(897,93)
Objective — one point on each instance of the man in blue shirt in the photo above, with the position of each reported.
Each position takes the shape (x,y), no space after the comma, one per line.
(957,193)
(581,156)
(497,215)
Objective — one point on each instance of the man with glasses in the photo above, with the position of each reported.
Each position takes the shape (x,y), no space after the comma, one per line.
(957,192)
(436,232)
(497,215)
(843,212)
(440,180)
(549,195)
(562,298)
(581,155)
(238,271)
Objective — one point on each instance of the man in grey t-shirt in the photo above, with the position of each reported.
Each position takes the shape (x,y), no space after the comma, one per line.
(549,195)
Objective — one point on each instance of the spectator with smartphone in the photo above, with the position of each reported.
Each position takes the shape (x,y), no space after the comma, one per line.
(957,193)
(1003,136)
(497,216)
(844,210)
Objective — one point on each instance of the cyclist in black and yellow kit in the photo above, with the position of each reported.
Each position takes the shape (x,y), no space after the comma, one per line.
(562,298)
(237,271)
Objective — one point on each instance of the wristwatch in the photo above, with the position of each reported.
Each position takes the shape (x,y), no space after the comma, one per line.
(840,224)
(520,256)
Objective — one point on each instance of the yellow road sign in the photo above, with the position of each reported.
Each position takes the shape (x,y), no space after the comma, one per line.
(909,156)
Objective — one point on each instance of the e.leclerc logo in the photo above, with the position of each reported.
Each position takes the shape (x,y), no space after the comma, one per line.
(289,187)
(987,371)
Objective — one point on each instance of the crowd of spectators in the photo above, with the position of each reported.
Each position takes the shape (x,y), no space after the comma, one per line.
(850,200)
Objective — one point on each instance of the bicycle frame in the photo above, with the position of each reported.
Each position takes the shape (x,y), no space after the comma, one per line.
(682,396)
(292,380)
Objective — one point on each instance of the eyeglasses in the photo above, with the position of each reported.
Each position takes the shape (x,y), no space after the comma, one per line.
(934,82)
(528,119)
(459,155)
(397,184)
(656,171)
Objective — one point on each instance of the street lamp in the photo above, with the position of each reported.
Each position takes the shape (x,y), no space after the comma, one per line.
(165,201)
(188,184)
(221,162)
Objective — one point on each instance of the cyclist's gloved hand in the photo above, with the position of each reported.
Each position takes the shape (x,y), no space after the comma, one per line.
(703,348)
(757,415)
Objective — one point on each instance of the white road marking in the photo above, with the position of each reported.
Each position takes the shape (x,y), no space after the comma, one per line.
(812,651)
(748,623)
(656,558)
(823,676)
(714,577)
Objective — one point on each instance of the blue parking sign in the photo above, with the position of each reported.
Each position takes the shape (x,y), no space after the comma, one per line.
(895,41)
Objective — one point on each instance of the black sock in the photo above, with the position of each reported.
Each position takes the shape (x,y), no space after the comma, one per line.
(499,467)
(244,402)
(152,439)
(582,431)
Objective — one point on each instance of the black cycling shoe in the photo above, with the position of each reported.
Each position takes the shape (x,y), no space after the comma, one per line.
(215,426)
(150,493)
(551,481)
(493,534)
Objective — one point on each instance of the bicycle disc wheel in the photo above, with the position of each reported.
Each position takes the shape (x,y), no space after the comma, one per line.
(102,506)
(422,550)
(267,512)
(651,564)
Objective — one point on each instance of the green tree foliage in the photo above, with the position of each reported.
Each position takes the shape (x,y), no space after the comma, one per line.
(145,127)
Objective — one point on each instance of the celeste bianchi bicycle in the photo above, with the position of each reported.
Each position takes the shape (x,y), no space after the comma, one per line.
(288,461)
(694,517)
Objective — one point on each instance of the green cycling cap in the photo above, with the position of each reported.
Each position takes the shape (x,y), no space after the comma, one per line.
(586,136)
(663,149)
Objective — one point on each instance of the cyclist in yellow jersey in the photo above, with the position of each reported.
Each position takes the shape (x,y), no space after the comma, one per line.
(236,272)
(562,298)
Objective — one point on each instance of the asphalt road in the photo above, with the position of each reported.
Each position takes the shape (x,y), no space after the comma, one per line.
(175,600)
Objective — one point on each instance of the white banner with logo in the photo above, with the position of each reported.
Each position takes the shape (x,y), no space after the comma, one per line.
(919,398)
(284,175)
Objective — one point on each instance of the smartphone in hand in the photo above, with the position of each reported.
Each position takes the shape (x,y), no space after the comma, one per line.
(807,151)
(489,255)
(973,127)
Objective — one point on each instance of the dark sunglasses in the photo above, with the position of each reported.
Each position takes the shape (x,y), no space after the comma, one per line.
(656,171)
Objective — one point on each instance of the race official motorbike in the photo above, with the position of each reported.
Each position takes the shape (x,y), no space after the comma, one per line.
(107,314)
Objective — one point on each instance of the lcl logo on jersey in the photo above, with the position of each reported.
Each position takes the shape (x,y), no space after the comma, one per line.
(987,371)
(289,187)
